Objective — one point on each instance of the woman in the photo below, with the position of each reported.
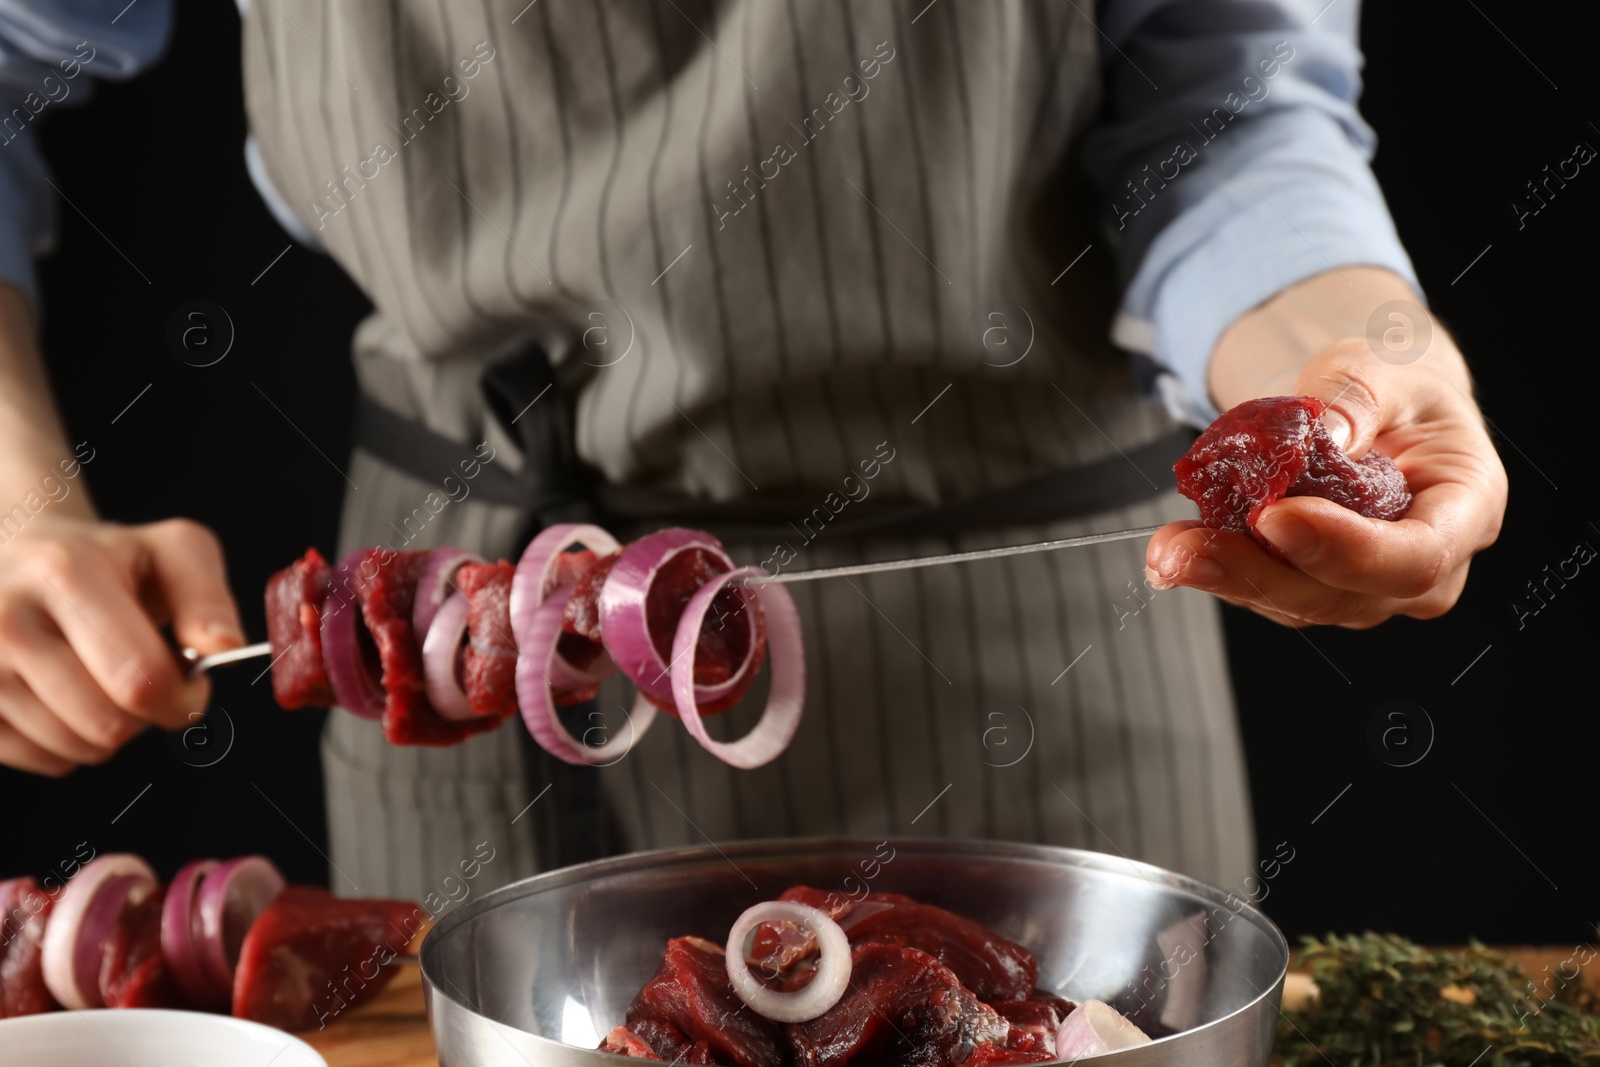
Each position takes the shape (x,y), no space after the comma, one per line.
(653,264)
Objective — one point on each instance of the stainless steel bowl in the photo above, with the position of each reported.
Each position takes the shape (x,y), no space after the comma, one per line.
(539,971)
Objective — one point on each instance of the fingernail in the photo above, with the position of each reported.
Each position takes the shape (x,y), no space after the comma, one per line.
(1153,577)
(225,632)
(1338,428)
(1203,573)
(1171,566)
(1292,536)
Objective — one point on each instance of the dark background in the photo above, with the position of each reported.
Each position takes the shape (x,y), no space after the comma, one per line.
(1482,837)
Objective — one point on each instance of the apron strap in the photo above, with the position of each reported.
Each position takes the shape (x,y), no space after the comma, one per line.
(526,395)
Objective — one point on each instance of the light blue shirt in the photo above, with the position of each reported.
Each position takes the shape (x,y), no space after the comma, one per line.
(1229,155)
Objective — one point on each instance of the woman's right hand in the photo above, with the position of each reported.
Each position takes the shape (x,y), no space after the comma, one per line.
(83,664)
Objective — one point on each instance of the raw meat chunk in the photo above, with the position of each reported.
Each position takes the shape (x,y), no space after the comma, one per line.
(1001,1056)
(691,993)
(839,904)
(133,973)
(1372,485)
(665,1039)
(986,963)
(294,626)
(624,1042)
(1041,1015)
(992,967)
(386,600)
(581,618)
(903,1009)
(1272,447)
(490,662)
(778,945)
(311,955)
(579,643)
(24,910)
(725,635)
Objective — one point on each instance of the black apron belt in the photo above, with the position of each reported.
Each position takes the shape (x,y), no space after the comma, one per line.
(560,493)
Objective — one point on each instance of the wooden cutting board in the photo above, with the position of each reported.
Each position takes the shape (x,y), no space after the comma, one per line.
(392,1031)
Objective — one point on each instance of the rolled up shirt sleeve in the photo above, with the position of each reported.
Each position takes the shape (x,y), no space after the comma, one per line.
(50,53)
(1234,164)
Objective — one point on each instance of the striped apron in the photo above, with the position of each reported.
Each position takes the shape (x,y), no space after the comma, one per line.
(709,263)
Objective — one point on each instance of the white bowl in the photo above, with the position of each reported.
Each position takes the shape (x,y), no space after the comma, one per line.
(140,1037)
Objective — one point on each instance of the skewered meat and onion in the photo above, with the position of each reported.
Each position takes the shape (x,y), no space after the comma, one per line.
(221,936)
(441,645)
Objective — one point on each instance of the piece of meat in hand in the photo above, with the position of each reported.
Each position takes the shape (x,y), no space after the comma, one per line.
(1265,449)
(691,994)
(903,1009)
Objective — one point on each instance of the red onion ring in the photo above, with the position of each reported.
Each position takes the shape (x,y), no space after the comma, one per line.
(180,937)
(231,897)
(82,919)
(1094,1027)
(833,965)
(537,634)
(624,616)
(438,581)
(358,690)
(441,652)
(535,579)
(785,700)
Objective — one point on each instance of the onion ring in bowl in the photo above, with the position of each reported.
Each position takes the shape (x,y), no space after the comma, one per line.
(785,700)
(824,989)
(537,634)
(1094,1027)
(539,574)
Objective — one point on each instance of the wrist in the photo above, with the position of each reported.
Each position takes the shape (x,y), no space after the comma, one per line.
(39,468)
(1266,351)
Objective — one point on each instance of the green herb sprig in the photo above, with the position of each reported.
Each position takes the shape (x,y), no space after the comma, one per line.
(1386,1002)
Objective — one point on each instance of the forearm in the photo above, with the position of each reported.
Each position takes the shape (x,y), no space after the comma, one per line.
(33,441)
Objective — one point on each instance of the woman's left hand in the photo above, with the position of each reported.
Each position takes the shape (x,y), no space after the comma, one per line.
(1343,569)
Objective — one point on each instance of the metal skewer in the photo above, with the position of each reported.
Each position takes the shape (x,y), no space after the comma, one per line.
(201,664)
(958,557)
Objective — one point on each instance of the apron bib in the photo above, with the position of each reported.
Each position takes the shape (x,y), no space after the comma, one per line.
(623,274)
